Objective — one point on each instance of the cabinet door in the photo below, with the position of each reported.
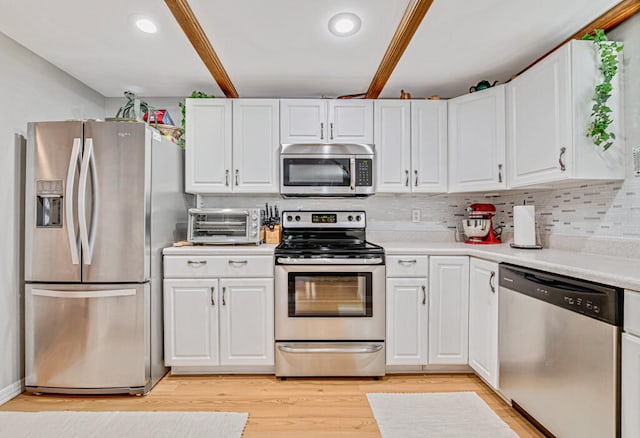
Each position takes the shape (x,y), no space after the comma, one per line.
(477,141)
(393,145)
(208,146)
(246,321)
(539,124)
(255,145)
(190,322)
(303,121)
(483,319)
(428,146)
(350,121)
(630,386)
(406,342)
(448,309)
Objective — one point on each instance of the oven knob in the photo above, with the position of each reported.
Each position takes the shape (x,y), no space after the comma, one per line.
(350,218)
(254,225)
(253,233)
(297,218)
(358,218)
(289,218)
(254,216)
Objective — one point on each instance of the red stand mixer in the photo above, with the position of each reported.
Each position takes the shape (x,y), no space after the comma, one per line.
(479,226)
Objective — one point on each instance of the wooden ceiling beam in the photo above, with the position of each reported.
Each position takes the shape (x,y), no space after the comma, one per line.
(607,21)
(416,10)
(187,20)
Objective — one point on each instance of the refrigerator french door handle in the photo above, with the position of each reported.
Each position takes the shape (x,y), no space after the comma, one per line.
(88,166)
(71,179)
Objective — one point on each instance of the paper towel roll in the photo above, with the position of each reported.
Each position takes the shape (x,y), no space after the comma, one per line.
(524,225)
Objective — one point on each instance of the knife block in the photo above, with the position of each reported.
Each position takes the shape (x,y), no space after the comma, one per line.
(272,235)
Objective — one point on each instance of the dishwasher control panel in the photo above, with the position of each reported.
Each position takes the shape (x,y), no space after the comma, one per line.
(595,300)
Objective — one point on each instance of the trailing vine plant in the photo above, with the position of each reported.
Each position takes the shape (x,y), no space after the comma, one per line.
(183,109)
(601,113)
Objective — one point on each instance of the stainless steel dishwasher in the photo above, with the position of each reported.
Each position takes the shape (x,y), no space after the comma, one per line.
(559,350)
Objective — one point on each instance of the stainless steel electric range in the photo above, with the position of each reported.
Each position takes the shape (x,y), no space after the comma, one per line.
(329,296)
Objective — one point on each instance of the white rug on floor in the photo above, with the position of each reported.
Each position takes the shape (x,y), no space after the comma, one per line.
(74,424)
(451,414)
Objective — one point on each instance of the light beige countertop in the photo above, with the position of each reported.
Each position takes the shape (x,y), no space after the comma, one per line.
(223,250)
(617,271)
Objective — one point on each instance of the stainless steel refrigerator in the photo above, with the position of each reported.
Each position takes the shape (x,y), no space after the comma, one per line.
(101,201)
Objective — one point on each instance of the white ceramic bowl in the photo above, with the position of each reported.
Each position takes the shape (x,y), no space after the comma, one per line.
(476,227)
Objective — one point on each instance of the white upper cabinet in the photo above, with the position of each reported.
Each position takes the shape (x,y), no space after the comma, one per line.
(477,141)
(411,145)
(429,146)
(392,138)
(549,109)
(326,121)
(232,145)
(255,145)
(208,149)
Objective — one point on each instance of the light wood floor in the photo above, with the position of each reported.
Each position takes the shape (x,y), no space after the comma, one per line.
(290,408)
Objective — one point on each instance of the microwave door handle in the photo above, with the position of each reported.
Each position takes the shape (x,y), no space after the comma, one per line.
(71,178)
(352,171)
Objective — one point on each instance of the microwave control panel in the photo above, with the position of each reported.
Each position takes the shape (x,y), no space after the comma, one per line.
(364,172)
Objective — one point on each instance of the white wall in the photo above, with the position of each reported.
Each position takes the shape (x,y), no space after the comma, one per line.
(31,89)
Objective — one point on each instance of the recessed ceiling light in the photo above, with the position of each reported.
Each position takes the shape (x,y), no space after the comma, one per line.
(146,25)
(344,24)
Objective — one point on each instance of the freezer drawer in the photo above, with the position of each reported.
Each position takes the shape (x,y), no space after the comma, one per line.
(87,339)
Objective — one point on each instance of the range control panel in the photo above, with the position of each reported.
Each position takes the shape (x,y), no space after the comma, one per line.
(324,219)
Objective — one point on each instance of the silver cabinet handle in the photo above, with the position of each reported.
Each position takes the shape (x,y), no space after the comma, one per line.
(416,174)
(499,173)
(237,174)
(493,288)
(407,262)
(224,290)
(331,131)
(213,291)
(321,131)
(71,176)
(406,178)
(424,295)
(196,262)
(561,159)
(226,177)
(238,262)
(331,349)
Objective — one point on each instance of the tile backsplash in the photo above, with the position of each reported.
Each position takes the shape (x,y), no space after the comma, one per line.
(608,209)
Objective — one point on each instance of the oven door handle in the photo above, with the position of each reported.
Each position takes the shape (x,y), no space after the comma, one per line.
(332,349)
(330,261)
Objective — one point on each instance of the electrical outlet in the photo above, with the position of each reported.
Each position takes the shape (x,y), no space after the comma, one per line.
(415,215)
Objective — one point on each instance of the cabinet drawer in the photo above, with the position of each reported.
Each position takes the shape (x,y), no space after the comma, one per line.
(407,266)
(632,312)
(217,266)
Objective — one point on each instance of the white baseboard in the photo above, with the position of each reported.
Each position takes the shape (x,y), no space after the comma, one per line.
(11,391)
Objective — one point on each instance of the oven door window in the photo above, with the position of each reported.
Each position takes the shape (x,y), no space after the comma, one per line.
(321,172)
(330,294)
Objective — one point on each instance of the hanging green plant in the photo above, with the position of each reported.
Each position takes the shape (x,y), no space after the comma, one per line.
(601,113)
(183,109)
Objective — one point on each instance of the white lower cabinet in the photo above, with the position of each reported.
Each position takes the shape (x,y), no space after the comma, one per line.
(218,324)
(448,310)
(631,366)
(483,319)
(407,314)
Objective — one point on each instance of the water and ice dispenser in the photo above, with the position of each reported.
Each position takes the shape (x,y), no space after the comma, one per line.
(49,203)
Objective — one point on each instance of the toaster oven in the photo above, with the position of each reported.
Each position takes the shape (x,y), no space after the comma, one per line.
(221,226)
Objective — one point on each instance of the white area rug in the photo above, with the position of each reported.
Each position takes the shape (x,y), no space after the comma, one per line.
(72,424)
(442,415)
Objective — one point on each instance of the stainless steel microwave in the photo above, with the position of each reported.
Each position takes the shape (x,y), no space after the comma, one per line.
(327,170)
(220,226)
